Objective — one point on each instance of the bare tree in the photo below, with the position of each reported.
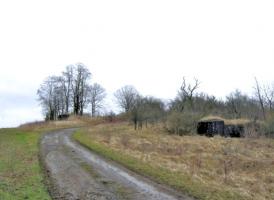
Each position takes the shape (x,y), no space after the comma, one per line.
(45,93)
(80,88)
(260,97)
(51,97)
(59,95)
(125,97)
(68,78)
(154,109)
(187,92)
(137,112)
(269,95)
(96,96)
(234,102)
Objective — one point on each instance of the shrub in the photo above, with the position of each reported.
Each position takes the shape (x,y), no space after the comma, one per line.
(253,129)
(269,125)
(182,123)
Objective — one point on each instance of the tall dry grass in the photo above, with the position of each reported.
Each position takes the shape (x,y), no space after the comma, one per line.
(241,165)
(72,122)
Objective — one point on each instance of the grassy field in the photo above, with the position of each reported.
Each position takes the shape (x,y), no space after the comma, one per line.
(20,173)
(21,176)
(206,168)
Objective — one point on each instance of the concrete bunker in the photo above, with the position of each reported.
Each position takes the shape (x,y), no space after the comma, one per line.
(211,127)
(63,116)
(234,130)
(218,126)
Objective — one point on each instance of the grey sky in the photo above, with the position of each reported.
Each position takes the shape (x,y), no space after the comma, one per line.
(149,44)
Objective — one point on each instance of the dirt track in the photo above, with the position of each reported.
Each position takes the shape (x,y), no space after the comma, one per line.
(76,173)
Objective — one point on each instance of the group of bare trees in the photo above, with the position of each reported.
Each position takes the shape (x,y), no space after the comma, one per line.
(236,104)
(257,106)
(70,93)
(189,105)
(126,97)
(140,109)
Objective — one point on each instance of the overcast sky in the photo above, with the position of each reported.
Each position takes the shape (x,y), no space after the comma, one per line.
(145,43)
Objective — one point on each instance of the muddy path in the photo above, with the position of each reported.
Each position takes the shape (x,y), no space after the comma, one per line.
(77,173)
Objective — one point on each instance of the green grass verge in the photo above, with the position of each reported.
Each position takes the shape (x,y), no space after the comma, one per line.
(183,183)
(20,174)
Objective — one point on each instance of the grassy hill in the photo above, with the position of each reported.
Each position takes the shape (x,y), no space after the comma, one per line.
(206,168)
(21,176)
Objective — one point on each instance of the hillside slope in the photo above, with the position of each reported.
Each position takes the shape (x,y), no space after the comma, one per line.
(206,168)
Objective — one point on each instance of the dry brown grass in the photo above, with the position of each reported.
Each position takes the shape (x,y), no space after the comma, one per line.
(243,166)
(71,122)
(240,121)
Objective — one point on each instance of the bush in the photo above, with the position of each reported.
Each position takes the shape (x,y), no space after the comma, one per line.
(182,123)
(269,125)
(253,129)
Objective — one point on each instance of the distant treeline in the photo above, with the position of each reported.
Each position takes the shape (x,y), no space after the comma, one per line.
(73,93)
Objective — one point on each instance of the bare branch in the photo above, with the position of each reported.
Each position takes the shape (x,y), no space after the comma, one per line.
(260,97)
